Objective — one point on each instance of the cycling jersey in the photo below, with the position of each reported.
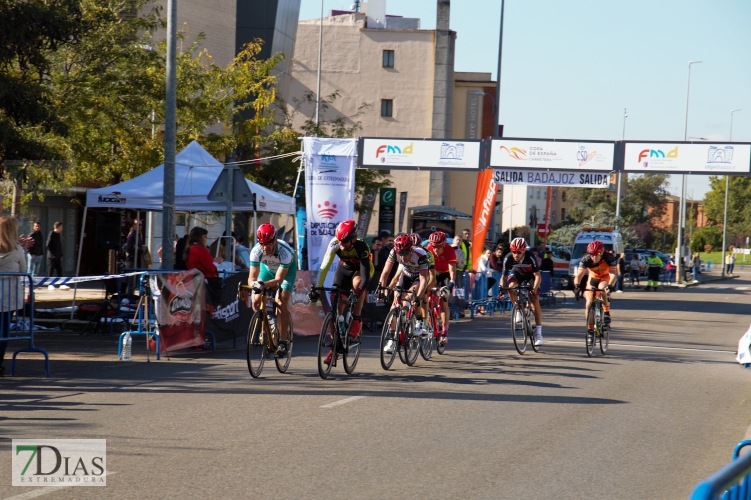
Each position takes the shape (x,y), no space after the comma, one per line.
(356,257)
(601,270)
(413,264)
(431,260)
(524,270)
(283,257)
(443,259)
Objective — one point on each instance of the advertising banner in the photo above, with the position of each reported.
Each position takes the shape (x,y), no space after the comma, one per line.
(418,154)
(402,208)
(179,309)
(561,155)
(387,210)
(473,122)
(229,318)
(363,218)
(307,318)
(485,193)
(329,191)
(556,178)
(696,158)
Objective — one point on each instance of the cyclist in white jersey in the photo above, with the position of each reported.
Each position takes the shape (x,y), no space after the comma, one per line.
(273,263)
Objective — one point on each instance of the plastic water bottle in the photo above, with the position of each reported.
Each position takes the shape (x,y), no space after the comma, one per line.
(342,323)
(127,347)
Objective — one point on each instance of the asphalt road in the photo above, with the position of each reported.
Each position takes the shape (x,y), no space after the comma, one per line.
(660,412)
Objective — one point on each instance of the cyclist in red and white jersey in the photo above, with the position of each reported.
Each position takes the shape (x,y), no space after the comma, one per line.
(445,267)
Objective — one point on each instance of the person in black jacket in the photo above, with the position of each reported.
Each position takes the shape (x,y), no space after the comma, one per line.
(55,250)
(36,252)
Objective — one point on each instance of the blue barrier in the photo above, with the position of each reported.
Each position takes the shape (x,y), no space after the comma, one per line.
(13,287)
(731,482)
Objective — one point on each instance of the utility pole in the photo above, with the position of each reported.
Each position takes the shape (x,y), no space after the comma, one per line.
(497,102)
(320,52)
(620,178)
(170,139)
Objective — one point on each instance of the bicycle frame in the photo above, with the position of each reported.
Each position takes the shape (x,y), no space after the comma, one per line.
(265,299)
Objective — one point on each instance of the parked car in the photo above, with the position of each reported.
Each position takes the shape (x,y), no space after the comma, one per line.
(642,259)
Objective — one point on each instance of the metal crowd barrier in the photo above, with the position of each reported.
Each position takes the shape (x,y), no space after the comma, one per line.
(732,482)
(17,315)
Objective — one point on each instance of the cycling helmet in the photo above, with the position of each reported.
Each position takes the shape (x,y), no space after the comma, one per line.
(266,233)
(346,230)
(438,237)
(403,243)
(595,247)
(518,245)
(416,239)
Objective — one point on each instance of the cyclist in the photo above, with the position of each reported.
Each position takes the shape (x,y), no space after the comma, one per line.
(445,267)
(354,270)
(413,274)
(417,243)
(273,263)
(520,266)
(602,275)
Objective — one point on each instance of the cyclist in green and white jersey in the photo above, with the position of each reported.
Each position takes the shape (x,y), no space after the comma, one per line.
(273,263)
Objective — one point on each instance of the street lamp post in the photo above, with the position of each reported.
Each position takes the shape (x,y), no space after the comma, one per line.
(620,178)
(498,76)
(170,136)
(682,210)
(320,52)
(727,191)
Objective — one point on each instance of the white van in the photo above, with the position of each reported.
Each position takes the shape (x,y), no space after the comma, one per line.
(610,238)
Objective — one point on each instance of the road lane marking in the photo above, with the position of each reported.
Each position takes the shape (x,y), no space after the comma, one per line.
(43,491)
(343,401)
(643,346)
(742,288)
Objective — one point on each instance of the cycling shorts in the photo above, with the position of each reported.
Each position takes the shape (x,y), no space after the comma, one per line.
(443,279)
(289,279)
(343,277)
(407,282)
(519,278)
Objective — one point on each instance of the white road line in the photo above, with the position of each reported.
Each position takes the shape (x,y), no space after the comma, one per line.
(343,401)
(742,288)
(643,346)
(43,491)
(721,287)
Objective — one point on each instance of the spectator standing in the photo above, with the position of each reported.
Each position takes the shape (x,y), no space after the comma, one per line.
(496,259)
(387,240)
(484,270)
(12,260)
(547,264)
(461,260)
(635,265)
(670,269)
(695,263)
(55,250)
(621,270)
(466,246)
(180,252)
(134,247)
(36,252)
(729,262)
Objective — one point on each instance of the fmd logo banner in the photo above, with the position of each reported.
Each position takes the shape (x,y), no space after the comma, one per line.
(59,462)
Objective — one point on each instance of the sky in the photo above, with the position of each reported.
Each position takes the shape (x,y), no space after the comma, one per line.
(570,68)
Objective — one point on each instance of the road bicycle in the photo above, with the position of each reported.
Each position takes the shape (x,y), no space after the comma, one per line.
(435,322)
(263,339)
(399,327)
(596,317)
(523,320)
(335,337)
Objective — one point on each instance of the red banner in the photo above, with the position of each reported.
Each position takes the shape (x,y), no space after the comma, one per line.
(180,314)
(307,318)
(485,193)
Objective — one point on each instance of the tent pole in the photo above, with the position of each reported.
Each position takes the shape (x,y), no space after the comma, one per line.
(294,204)
(78,263)
(150,231)
(255,226)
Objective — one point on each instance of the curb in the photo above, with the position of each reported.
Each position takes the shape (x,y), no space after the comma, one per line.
(707,280)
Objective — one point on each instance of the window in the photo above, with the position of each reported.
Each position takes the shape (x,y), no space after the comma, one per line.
(554,193)
(538,193)
(387,107)
(552,216)
(563,213)
(388,58)
(563,195)
(544,194)
(531,193)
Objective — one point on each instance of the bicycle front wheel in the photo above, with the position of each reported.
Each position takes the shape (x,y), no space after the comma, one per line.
(531,326)
(519,329)
(440,349)
(352,352)
(283,363)
(388,334)
(591,340)
(256,351)
(326,344)
(411,343)
(604,336)
(426,339)
(401,334)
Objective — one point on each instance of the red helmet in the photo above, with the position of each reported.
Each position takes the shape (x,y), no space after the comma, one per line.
(403,243)
(518,245)
(438,237)
(346,230)
(416,239)
(266,233)
(595,247)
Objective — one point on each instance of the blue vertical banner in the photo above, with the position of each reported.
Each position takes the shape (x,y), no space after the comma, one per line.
(329,191)
(302,222)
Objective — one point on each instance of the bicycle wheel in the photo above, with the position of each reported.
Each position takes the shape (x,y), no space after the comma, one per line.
(387,334)
(256,352)
(352,351)
(590,342)
(401,335)
(326,345)
(426,339)
(531,331)
(411,343)
(604,336)
(440,349)
(283,363)
(519,329)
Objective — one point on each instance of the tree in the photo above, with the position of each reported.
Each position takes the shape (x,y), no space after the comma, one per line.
(646,199)
(706,237)
(739,206)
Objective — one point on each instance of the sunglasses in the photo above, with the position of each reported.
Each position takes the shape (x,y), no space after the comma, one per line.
(517,253)
(404,254)
(596,254)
